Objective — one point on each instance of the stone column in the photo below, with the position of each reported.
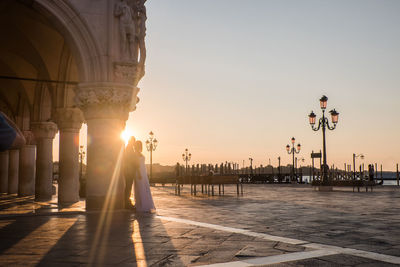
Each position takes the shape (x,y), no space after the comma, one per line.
(4,172)
(13,164)
(106,107)
(69,121)
(27,169)
(44,133)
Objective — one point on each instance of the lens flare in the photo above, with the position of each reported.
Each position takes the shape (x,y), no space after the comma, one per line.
(126,135)
(97,251)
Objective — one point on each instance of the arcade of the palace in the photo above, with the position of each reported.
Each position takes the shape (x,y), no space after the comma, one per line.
(64,63)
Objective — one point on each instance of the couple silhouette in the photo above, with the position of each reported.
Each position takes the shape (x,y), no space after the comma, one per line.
(135,173)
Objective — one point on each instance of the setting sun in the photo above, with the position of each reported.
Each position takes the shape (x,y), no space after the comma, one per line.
(126,135)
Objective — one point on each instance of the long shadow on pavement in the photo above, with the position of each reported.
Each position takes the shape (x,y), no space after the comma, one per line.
(19,229)
(125,239)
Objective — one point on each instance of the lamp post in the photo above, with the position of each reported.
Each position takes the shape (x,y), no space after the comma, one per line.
(81,157)
(82,184)
(251,166)
(302,159)
(293,151)
(301,172)
(151,145)
(324,123)
(186,157)
(354,163)
(279,169)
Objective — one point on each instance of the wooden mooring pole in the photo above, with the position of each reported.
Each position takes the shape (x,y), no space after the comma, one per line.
(397,173)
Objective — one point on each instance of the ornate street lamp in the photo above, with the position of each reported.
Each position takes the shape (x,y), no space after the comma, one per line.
(324,123)
(361,156)
(151,145)
(186,157)
(293,151)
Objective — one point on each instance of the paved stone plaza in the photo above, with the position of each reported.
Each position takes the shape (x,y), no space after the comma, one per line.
(270,225)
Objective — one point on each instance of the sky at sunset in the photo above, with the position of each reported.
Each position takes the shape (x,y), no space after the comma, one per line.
(233,79)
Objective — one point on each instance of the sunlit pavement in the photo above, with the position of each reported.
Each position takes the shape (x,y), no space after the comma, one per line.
(269,225)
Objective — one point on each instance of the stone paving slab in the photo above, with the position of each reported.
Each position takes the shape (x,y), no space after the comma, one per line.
(215,230)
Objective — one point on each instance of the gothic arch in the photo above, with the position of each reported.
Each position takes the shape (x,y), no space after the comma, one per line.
(67,20)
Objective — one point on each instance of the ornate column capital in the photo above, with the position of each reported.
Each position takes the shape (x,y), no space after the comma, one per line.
(69,118)
(29,137)
(44,129)
(105,100)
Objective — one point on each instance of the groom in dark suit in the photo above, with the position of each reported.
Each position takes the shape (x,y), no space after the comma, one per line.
(130,168)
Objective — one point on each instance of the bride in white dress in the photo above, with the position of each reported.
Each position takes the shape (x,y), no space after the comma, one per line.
(143,199)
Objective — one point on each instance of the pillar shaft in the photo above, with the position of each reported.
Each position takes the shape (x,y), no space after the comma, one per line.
(69,122)
(4,171)
(27,169)
(104,185)
(44,133)
(44,169)
(106,107)
(68,182)
(13,165)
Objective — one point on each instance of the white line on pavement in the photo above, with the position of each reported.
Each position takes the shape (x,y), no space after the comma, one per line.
(275,259)
(372,255)
(320,248)
(235,230)
(356,252)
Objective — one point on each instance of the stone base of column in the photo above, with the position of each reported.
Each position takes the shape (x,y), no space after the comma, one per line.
(4,172)
(27,169)
(13,165)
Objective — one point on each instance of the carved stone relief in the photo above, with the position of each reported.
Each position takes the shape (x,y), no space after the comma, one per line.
(106,99)
(69,118)
(130,67)
(45,129)
(29,137)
